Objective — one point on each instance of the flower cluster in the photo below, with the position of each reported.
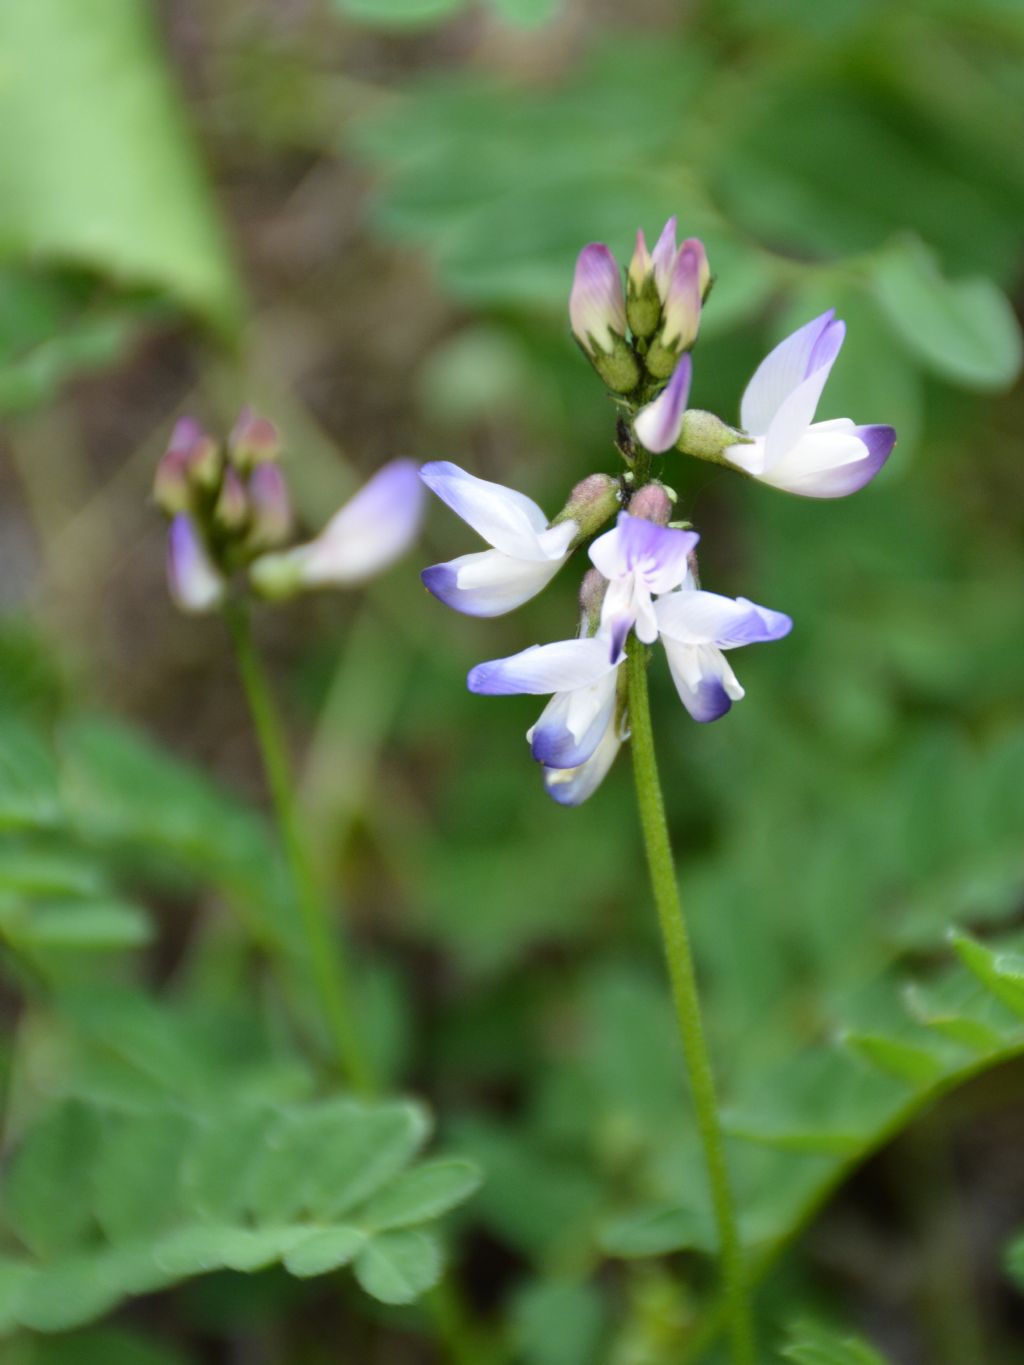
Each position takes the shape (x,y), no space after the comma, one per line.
(644,578)
(231,514)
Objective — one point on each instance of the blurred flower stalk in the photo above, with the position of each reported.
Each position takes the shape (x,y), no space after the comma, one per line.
(644,584)
(232,537)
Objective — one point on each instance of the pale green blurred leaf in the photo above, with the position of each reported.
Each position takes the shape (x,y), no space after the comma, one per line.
(963,329)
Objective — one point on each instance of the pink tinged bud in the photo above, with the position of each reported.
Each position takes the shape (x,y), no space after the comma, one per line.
(170,484)
(682,305)
(657,426)
(232,509)
(641,266)
(271,507)
(195,583)
(695,245)
(663,257)
(652,503)
(592,591)
(594,501)
(196,453)
(597,307)
(254,440)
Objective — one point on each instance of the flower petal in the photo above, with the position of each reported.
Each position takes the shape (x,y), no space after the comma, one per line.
(373,529)
(659,553)
(541,669)
(597,305)
(572,786)
(572,724)
(782,370)
(658,425)
(832,460)
(663,258)
(508,520)
(488,583)
(707,618)
(706,684)
(195,583)
(795,414)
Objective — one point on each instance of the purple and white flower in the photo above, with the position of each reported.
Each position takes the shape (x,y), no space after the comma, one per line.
(789,449)
(195,583)
(580,730)
(657,426)
(526,552)
(695,627)
(371,531)
(578,734)
(639,559)
(686,286)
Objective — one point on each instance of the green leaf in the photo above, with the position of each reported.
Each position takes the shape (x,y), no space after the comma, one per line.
(137,1173)
(559,1323)
(424,1192)
(398,13)
(66,1293)
(813,1345)
(94,926)
(999,972)
(28,779)
(965,330)
(527,13)
(96,164)
(906,1061)
(324,1250)
(396,1267)
(47,1199)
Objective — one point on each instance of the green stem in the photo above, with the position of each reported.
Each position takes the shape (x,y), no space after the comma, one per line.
(324,947)
(679,958)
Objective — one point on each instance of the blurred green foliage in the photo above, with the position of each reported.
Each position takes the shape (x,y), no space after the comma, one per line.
(864,798)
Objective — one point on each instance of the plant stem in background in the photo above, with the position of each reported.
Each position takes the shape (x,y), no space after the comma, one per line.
(679,957)
(326,955)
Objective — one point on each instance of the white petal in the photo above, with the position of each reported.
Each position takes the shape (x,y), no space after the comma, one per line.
(707,618)
(372,530)
(572,724)
(559,667)
(572,786)
(706,684)
(794,416)
(508,520)
(781,371)
(489,583)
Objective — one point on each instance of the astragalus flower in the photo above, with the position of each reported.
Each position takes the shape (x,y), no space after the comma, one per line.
(371,531)
(580,730)
(526,551)
(791,451)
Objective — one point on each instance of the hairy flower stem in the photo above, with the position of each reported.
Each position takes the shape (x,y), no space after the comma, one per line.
(325,951)
(679,958)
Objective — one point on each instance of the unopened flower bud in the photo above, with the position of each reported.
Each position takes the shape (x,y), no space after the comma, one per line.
(192,460)
(592,591)
(597,313)
(253,441)
(663,258)
(643,304)
(591,503)
(232,507)
(706,436)
(271,507)
(652,503)
(194,581)
(170,484)
(685,290)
